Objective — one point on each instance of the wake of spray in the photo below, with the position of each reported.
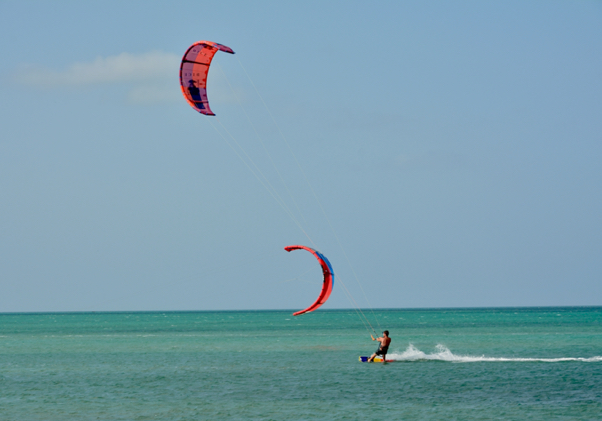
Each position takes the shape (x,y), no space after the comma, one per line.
(442,353)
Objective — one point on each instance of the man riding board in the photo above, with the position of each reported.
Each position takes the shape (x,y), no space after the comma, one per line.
(383,346)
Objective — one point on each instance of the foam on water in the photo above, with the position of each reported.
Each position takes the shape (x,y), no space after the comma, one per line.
(444,354)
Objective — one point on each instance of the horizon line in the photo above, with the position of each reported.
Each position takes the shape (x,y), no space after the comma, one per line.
(293,310)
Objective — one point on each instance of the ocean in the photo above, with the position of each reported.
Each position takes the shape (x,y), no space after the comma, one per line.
(450,364)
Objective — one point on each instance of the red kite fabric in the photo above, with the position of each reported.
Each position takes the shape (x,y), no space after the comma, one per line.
(193,73)
(328,278)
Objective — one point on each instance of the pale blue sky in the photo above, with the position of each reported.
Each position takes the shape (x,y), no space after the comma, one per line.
(455,148)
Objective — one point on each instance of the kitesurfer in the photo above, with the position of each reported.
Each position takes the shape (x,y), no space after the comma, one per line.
(383,346)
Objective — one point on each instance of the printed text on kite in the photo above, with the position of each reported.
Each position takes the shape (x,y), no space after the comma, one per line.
(193,73)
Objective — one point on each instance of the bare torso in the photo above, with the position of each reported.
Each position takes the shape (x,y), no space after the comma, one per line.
(384,341)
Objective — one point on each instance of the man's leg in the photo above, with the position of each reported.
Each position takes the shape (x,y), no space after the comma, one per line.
(372,357)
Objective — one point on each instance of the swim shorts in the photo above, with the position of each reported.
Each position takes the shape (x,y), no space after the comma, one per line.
(382,351)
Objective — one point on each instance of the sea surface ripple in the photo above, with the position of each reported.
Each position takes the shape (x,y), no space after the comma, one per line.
(452,364)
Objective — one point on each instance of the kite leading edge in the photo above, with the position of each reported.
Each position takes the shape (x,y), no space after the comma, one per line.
(328,278)
(193,73)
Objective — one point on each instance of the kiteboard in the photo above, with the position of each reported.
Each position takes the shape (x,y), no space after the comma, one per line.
(376,360)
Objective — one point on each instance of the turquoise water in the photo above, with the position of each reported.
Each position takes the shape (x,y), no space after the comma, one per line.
(451,364)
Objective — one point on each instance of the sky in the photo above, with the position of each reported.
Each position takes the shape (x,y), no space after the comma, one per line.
(440,154)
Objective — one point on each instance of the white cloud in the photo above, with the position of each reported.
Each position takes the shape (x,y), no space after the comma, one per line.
(137,68)
(151,94)
(149,78)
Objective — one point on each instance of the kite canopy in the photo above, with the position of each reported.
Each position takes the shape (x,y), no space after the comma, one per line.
(193,73)
(328,278)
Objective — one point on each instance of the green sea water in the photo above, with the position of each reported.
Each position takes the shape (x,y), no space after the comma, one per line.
(451,364)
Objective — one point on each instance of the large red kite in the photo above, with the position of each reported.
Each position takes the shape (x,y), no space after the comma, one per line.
(328,278)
